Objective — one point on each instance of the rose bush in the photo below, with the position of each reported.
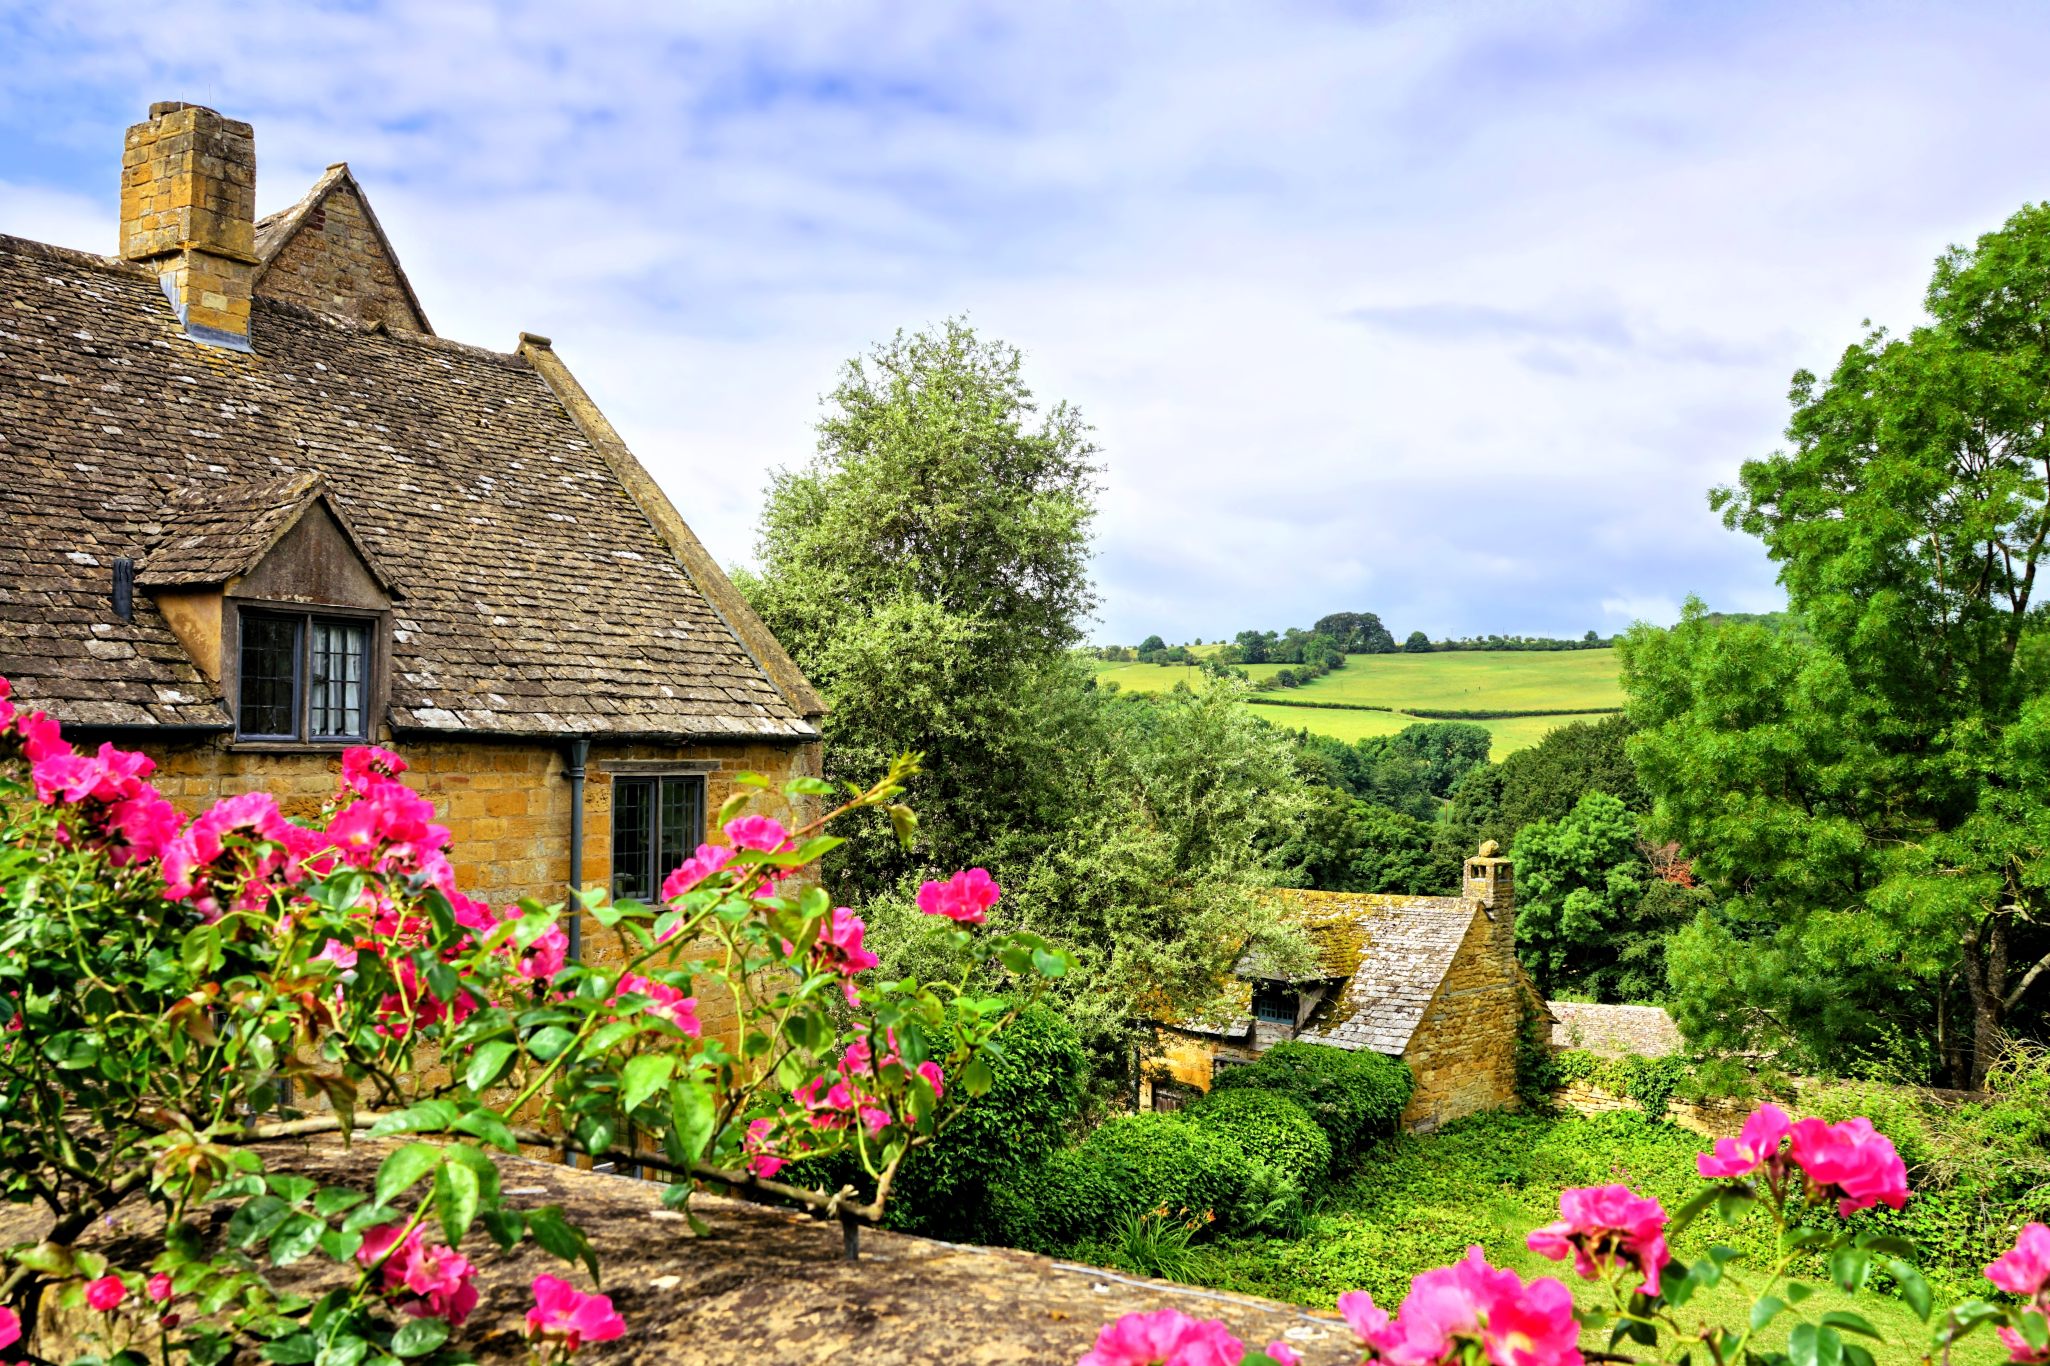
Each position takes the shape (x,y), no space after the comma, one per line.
(173,993)
(1806,1177)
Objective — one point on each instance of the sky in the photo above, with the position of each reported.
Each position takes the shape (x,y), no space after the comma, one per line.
(1451,312)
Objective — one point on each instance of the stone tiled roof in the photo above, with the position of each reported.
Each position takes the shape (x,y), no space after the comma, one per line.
(1615,1031)
(1405,946)
(274,230)
(539,596)
(216,532)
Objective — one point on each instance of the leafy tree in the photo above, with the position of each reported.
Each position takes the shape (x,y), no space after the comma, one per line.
(1253,646)
(1357,633)
(1151,645)
(1577,882)
(1418,643)
(1448,750)
(1343,844)
(1545,780)
(928,569)
(1895,788)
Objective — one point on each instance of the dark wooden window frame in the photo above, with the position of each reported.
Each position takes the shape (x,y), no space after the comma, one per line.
(692,776)
(376,682)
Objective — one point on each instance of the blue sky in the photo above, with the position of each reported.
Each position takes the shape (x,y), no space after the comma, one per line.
(1451,312)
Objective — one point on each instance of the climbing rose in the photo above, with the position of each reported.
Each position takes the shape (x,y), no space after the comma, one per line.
(760,1161)
(1164,1336)
(1600,1224)
(366,766)
(839,944)
(546,956)
(565,1314)
(1757,1145)
(934,1078)
(159,1287)
(758,832)
(1517,1324)
(966,896)
(10,1322)
(668,1003)
(440,1276)
(2018,1350)
(709,859)
(1852,1160)
(2024,1270)
(106,1293)
(1283,1354)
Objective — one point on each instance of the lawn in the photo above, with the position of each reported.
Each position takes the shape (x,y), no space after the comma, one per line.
(1511,732)
(1422,1200)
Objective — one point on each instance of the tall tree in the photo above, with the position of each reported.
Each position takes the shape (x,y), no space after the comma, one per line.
(1908,522)
(928,569)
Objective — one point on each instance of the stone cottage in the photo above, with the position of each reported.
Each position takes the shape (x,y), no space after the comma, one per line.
(253,510)
(1432,980)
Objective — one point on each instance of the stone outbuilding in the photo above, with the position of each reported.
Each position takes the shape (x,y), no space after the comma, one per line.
(1432,980)
(253,510)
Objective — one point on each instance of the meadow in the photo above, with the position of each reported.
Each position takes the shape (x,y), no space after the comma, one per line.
(1422,1200)
(1447,681)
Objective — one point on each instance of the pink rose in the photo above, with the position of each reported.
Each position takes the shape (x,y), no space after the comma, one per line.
(965,897)
(838,948)
(933,1078)
(10,1322)
(2018,1350)
(709,859)
(159,1287)
(665,1002)
(1516,1324)
(758,832)
(1852,1160)
(1601,1224)
(1283,1354)
(1758,1144)
(546,956)
(755,1147)
(1165,1335)
(366,766)
(106,1293)
(562,1313)
(2025,1269)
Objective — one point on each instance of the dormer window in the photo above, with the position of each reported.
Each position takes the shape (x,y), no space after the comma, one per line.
(1275,1004)
(303,677)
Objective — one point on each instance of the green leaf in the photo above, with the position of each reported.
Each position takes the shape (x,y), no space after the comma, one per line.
(2034,1328)
(561,1238)
(693,1112)
(1851,1323)
(430,1116)
(332,1200)
(506,1227)
(487,1065)
(1801,1345)
(292,1189)
(549,1042)
(1765,1311)
(255,1221)
(977,1077)
(1914,1289)
(456,1193)
(294,1350)
(1798,1291)
(418,1337)
(400,1171)
(642,1077)
(1849,1266)
(1855,1355)
(485,1124)
(340,1245)
(296,1237)
(1050,962)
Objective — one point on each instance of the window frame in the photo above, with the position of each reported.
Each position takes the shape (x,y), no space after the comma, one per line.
(652,864)
(305,616)
(1266,993)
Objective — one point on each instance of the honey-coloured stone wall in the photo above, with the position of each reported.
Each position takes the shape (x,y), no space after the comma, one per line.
(188,207)
(335,261)
(1463,1054)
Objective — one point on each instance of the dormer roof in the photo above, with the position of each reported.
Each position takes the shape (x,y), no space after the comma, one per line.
(216,533)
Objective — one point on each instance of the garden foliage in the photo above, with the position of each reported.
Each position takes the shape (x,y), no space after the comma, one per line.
(1356,1096)
(173,993)
(1270,1127)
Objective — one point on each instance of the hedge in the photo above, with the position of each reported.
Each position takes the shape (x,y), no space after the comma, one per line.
(1356,1097)
(1270,1128)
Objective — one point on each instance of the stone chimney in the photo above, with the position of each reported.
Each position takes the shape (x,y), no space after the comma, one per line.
(188,208)
(1491,880)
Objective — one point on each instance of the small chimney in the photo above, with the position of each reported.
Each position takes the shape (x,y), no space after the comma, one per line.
(1491,880)
(188,207)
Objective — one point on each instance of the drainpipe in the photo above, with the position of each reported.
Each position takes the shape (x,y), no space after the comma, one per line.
(579,752)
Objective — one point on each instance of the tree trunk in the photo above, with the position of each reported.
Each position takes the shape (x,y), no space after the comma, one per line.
(1985,964)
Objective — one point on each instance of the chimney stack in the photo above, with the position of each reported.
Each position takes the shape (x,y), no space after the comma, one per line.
(1491,880)
(188,208)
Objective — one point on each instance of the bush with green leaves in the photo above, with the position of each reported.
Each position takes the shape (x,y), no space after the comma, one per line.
(1270,1128)
(1356,1097)
(1038,1071)
(168,988)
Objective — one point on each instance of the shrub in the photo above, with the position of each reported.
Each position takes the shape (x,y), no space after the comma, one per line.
(1166,1162)
(1268,1127)
(1051,1205)
(1038,1069)
(1355,1097)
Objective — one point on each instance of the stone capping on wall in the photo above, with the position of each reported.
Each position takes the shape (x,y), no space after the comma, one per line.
(766,1285)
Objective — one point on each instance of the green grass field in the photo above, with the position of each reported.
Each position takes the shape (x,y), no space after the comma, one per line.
(1450,681)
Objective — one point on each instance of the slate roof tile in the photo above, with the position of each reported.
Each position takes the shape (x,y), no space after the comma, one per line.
(524,561)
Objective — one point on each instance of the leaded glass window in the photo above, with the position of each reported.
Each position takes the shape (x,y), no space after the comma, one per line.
(657,823)
(341,668)
(303,677)
(269,676)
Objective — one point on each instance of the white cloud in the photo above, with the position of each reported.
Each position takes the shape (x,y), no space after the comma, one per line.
(1451,312)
